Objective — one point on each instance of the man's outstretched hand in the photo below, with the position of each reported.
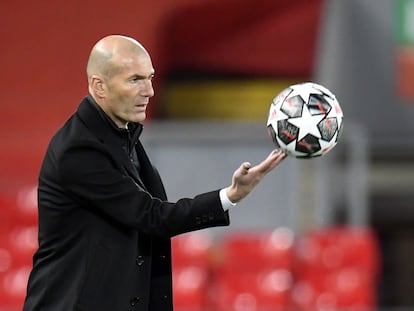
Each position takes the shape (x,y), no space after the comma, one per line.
(246,177)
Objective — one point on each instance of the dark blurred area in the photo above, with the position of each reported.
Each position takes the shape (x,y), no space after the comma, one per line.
(341,233)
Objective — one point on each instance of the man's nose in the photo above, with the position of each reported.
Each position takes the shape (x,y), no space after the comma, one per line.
(148,90)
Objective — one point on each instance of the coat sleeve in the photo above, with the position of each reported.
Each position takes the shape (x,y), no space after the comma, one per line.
(89,174)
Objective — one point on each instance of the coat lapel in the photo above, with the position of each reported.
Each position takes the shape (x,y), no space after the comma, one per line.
(149,174)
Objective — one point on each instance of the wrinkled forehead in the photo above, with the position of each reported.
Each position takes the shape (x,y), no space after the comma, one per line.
(130,62)
(134,62)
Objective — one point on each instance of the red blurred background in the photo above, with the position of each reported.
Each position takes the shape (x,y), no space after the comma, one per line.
(45,46)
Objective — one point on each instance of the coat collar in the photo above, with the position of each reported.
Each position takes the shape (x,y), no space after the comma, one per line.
(100,124)
(106,131)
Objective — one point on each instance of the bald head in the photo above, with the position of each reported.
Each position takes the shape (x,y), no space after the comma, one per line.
(120,74)
(110,54)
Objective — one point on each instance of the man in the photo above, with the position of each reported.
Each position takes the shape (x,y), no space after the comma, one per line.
(104,221)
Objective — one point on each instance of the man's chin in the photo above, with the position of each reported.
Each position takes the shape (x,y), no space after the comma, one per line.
(139,117)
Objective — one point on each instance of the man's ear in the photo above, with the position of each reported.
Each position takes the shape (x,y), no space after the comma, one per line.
(98,86)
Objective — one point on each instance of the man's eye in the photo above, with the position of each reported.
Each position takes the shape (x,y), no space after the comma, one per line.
(138,79)
(135,79)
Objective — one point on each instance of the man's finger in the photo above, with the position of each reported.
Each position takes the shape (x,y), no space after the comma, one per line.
(273,159)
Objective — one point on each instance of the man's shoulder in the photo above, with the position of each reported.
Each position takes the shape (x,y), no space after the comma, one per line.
(75,128)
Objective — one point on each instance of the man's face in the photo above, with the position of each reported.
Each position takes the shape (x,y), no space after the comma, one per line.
(129,89)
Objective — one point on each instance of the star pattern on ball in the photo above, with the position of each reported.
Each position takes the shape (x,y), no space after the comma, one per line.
(311,124)
(305,120)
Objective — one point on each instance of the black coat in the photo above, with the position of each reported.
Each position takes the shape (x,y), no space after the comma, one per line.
(104,231)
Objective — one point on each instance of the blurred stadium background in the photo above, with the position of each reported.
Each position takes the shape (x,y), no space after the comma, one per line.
(335,233)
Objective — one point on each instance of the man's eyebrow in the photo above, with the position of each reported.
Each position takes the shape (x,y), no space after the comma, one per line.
(140,76)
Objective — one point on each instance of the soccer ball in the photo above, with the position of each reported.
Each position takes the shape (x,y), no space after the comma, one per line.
(305,120)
